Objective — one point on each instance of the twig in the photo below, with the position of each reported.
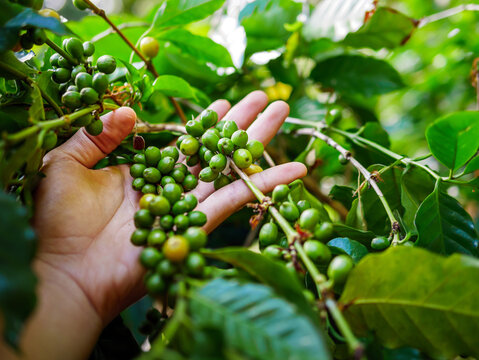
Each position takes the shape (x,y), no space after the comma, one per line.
(405,160)
(148,63)
(55,123)
(120,27)
(144,127)
(447,13)
(367,175)
(268,159)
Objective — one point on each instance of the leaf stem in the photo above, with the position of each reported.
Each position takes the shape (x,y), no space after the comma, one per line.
(31,82)
(131,25)
(62,52)
(148,63)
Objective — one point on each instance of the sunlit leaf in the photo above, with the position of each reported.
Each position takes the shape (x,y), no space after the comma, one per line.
(410,297)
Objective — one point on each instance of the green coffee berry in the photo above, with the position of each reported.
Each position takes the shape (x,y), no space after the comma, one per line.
(106,64)
(225,146)
(71,99)
(159,206)
(61,75)
(256,148)
(88,48)
(239,138)
(207,174)
(289,211)
(152,175)
(280,193)
(218,162)
(89,96)
(221,181)
(197,218)
(152,155)
(95,128)
(242,158)
(83,80)
(194,128)
(229,128)
(100,82)
(208,118)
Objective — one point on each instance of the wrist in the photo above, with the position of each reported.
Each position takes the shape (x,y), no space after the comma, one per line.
(64,323)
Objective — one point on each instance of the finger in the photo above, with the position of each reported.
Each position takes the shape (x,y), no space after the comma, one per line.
(87,149)
(224,202)
(246,111)
(269,122)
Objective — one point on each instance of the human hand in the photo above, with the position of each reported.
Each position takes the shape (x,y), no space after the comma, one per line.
(84,219)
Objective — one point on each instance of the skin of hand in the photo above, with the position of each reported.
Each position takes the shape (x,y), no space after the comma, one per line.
(87,268)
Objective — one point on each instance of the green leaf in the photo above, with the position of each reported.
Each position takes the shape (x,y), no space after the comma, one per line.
(452,139)
(416,185)
(343,194)
(299,192)
(17,248)
(175,86)
(472,166)
(18,158)
(179,12)
(252,7)
(265,29)
(36,111)
(386,28)
(171,61)
(267,271)
(22,17)
(357,75)
(444,226)
(8,59)
(411,297)
(375,132)
(200,47)
(256,322)
(335,19)
(353,248)
(44,82)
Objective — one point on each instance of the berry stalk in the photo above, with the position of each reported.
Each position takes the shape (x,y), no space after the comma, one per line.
(55,123)
(62,52)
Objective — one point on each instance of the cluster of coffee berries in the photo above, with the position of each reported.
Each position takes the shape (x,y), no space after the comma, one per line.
(302,216)
(81,83)
(213,145)
(167,226)
(31,36)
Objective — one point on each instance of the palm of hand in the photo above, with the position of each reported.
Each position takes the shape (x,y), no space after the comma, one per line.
(84,217)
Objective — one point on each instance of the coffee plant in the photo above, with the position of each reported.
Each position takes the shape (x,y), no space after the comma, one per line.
(372,255)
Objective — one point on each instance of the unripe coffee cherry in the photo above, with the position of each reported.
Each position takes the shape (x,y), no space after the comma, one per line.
(149,46)
(339,268)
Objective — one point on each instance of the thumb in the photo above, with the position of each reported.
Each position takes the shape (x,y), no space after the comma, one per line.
(87,149)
